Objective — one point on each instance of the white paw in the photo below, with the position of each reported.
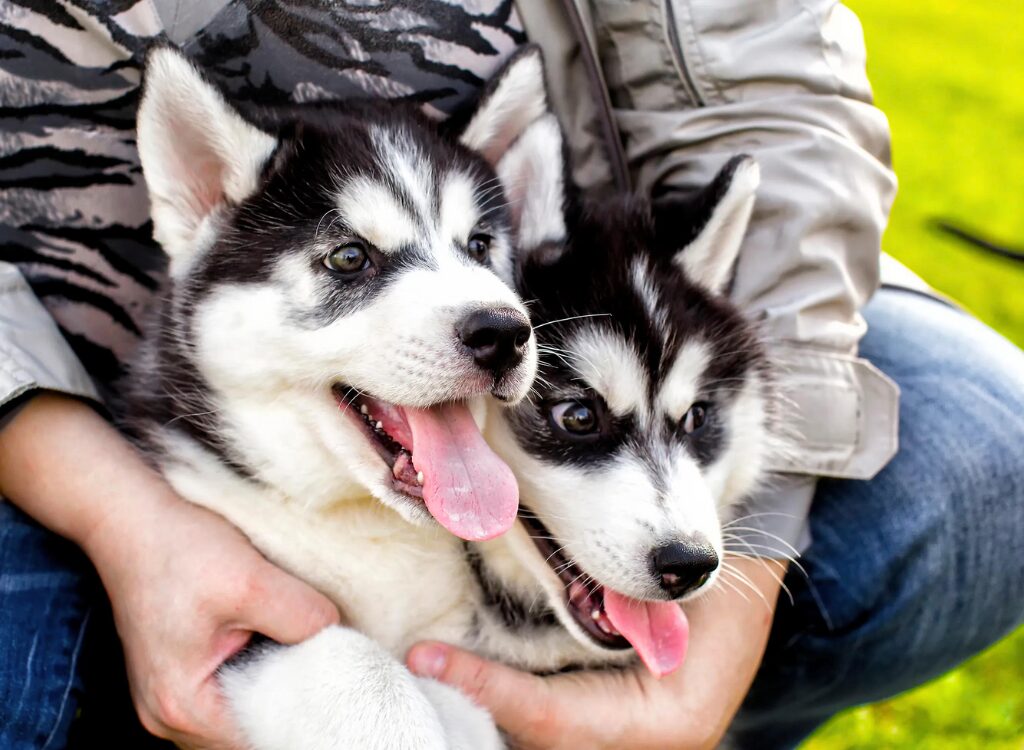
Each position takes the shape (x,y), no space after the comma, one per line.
(336,691)
(466,725)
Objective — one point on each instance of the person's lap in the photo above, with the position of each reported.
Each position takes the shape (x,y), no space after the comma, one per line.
(46,596)
(912,572)
(909,573)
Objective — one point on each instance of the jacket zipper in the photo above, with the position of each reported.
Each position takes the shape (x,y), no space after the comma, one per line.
(677,54)
(609,131)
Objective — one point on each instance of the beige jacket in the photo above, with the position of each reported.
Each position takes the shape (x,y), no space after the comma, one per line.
(657,94)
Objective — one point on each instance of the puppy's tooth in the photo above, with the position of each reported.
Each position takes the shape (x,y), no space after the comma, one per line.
(595,615)
(363,410)
(380,425)
(419,477)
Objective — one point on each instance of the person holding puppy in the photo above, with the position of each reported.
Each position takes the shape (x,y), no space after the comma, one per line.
(905,572)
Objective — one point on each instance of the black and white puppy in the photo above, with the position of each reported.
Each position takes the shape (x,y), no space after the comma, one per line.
(652,414)
(336,315)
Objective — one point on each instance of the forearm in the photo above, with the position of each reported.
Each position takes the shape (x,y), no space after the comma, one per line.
(187,588)
(69,469)
(728,633)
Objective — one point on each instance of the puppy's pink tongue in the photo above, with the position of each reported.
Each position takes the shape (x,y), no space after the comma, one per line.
(658,631)
(467,488)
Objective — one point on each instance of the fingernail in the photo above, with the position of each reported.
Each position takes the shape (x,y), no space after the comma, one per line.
(428,661)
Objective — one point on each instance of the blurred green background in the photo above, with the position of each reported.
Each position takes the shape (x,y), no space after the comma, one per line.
(950,76)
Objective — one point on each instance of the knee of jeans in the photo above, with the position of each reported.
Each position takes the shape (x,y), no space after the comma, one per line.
(926,551)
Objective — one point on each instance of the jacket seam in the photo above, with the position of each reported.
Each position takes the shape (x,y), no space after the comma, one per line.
(11,368)
(678,54)
(692,41)
(822,52)
(14,286)
(609,130)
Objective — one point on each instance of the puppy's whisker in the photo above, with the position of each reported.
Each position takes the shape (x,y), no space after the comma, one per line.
(573,317)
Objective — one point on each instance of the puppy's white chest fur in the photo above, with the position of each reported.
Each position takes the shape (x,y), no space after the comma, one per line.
(395,582)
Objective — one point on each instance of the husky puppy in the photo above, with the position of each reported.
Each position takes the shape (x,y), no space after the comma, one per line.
(651,416)
(335,312)
(334,317)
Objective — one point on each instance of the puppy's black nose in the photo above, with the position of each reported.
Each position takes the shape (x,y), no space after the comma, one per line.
(496,336)
(681,567)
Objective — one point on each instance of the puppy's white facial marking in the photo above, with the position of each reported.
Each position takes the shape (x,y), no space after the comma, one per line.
(682,383)
(690,503)
(373,212)
(612,367)
(291,273)
(649,297)
(742,465)
(459,211)
(408,166)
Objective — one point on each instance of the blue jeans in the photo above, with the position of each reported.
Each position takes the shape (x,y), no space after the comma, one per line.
(912,572)
(46,602)
(908,574)
(62,674)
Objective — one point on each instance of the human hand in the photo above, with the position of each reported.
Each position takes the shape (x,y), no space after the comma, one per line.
(188,590)
(187,587)
(628,709)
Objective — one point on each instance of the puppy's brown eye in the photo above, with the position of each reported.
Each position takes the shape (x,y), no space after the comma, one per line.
(479,247)
(577,418)
(348,258)
(695,418)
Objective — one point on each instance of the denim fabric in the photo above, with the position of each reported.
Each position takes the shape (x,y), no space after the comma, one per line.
(46,591)
(914,571)
(62,673)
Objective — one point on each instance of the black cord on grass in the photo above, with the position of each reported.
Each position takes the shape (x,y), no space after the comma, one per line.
(979,242)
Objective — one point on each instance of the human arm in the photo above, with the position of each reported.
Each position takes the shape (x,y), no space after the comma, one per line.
(187,588)
(629,709)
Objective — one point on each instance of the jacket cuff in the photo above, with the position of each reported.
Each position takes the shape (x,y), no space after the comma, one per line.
(33,353)
(838,413)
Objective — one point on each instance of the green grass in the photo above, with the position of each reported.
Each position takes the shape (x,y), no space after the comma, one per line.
(950,76)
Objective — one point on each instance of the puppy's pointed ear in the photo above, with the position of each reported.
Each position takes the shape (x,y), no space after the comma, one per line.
(197,151)
(532,173)
(514,98)
(705,229)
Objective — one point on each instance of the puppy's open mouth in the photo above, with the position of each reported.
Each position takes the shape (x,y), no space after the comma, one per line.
(658,630)
(584,596)
(387,430)
(437,454)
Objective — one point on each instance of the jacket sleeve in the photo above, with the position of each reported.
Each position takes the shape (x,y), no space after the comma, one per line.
(694,82)
(33,353)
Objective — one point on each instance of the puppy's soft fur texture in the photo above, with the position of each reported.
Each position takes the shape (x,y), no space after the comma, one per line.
(303,396)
